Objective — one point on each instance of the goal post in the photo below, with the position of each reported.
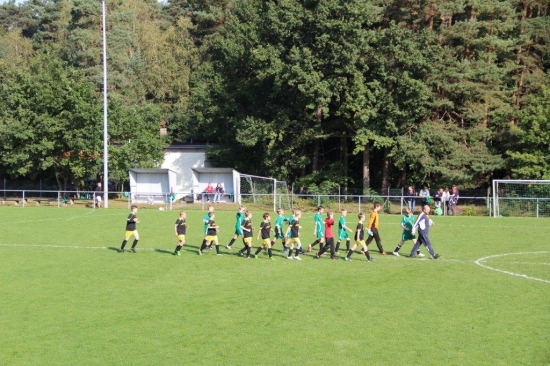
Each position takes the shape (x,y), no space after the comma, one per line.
(264,191)
(525,198)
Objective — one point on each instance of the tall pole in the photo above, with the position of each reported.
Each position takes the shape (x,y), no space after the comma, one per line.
(105,139)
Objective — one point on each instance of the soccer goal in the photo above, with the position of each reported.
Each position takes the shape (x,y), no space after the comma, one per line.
(527,198)
(264,191)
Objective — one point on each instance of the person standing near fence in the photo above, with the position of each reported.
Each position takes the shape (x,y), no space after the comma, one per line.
(318,229)
(445,197)
(410,198)
(424,195)
(205,220)
(98,193)
(453,200)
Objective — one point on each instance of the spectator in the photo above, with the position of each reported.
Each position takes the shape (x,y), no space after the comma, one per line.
(410,198)
(208,192)
(453,200)
(437,198)
(98,193)
(424,196)
(445,197)
(219,192)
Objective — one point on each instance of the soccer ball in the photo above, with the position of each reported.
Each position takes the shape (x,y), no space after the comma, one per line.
(161,208)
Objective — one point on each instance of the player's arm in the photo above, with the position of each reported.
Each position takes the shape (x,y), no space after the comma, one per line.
(416,223)
(176,229)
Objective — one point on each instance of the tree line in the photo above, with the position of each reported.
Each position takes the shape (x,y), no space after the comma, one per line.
(320,93)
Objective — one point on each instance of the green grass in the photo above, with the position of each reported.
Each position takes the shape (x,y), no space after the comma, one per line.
(69,298)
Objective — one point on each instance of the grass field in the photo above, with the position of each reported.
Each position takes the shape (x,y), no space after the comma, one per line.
(68,297)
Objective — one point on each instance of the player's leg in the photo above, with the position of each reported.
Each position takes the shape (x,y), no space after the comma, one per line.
(367,254)
(136,239)
(399,245)
(290,249)
(428,245)
(217,244)
(126,238)
(298,249)
(376,236)
(350,251)
(228,246)
(416,246)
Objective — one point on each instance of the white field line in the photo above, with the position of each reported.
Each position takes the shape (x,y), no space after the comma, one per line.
(65,246)
(480,261)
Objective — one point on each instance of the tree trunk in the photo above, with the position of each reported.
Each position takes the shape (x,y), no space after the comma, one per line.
(344,159)
(386,171)
(366,167)
(317,144)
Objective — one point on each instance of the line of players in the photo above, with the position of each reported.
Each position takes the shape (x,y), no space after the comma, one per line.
(291,238)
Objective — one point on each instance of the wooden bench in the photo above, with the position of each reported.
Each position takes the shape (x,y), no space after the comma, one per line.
(17,201)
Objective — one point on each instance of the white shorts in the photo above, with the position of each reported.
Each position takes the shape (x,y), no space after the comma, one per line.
(98,198)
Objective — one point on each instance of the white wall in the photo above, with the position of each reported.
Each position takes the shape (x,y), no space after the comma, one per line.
(181,161)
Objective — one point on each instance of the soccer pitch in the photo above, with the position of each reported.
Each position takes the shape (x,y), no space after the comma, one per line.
(68,297)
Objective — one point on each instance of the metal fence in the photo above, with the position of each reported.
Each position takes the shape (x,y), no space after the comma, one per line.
(391,203)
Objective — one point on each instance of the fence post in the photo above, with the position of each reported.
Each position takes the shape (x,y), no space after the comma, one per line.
(23,203)
(537,208)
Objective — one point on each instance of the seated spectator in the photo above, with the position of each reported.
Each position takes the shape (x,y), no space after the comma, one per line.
(219,192)
(208,192)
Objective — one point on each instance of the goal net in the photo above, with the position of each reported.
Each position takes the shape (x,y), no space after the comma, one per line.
(264,191)
(527,198)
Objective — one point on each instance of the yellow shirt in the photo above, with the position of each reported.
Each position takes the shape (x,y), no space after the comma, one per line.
(373,220)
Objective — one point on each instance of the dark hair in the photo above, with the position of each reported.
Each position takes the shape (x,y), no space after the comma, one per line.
(133,206)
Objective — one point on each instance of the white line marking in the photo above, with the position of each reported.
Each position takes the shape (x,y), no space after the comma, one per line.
(530,263)
(66,246)
(480,260)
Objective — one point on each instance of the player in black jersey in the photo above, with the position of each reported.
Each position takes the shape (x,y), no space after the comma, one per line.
(248,233)
(180,228)
(211,235)
(131,223)
(265,231)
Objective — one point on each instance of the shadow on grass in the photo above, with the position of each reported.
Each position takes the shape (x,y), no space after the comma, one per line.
(164,251)
(113,249)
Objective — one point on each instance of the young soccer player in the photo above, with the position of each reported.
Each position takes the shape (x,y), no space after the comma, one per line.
(238,226)
(329,236)
(248,232)
(318,229)
(205,220)
(360,239)
(279,232)
(407,223)
(265,230)
(294,232)
(179,229)
(211,235)
(423,223)
(343,230)
(373,228)
(131,229)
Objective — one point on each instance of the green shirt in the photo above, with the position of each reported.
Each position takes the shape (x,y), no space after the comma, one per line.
(318,220)
(407,221)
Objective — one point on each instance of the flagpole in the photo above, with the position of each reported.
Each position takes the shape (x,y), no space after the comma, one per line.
(105,136)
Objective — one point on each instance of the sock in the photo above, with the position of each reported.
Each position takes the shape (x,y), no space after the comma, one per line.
(347,244)
(217,248)
(231,242)
(203,246)
(134,244)
(243,249)
(177,248)
(203,242)
(290,253)
(258,250)
(397,248)
(248,251)
(314,243)
(269,252)
(367,254)
(418,252)
(337,245)
(123,244)
(297,253)
(350,252)
(273,243)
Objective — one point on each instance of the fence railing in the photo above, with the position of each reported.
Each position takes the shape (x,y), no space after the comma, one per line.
(469,205)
